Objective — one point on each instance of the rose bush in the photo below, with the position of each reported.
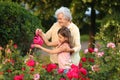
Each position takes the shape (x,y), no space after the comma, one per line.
(102,62)
(54,73)
(17,67)
(29,67)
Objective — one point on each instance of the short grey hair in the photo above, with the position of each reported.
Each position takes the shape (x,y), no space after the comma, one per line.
(65,11)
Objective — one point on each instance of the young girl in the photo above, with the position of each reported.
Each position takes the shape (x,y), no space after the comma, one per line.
(64,35)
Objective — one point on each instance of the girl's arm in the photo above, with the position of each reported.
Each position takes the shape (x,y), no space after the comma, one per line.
(52,51)
(70,50)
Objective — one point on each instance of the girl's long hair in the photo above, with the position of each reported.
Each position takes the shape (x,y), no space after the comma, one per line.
(65,32)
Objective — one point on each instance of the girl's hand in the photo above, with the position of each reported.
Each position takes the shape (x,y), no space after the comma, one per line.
(37,46)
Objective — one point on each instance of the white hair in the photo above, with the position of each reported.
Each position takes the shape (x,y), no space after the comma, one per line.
(65,11)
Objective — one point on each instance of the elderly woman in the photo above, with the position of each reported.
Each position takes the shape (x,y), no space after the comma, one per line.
(64,18)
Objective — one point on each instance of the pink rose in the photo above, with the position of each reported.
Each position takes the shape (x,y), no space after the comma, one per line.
(86,51)
(100,54)
(36,76)
(111,45)
(95,68)
(95,49)
(1,48)
(8,51)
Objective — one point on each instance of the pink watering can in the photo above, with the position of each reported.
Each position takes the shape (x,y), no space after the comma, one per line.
(37,39)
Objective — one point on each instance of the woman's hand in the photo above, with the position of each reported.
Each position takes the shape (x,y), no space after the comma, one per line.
(39,32)
(69,50)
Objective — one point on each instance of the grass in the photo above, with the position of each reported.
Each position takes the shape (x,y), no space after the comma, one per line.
(84,38)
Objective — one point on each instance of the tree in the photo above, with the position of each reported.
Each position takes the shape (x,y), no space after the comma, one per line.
(45,9)
(17,24)
(104,7)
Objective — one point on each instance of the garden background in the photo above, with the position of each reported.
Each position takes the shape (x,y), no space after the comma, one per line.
(99,24)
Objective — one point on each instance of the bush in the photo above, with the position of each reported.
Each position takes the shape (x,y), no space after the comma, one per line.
(110,29)
(102,62)
(17,24)
(16,67)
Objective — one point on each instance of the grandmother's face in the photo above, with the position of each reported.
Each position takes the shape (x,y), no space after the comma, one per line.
(61,20)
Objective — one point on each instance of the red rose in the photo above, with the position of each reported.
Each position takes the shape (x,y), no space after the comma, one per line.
(74,68)
(15,46)
(18,77)
(30,62)
(83,78)
(90,50)
(23,69)
(91,60)
(44,66)
(83,59)
(31,69)
(60,71)
(72,74)
(62,79)
(9,71)
(12,61)
(69,75)
(50,67)
(54,66)
(83,71)
(80,65)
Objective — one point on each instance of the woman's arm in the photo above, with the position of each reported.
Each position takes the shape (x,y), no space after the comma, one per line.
(52,51)
(48,43)
(76,39)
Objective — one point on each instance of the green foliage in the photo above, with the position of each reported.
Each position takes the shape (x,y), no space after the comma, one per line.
(17,24)
(16,67)
(102,62)
(12,62)
(44,9)
(110,29)
(77,7)
(50,6)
